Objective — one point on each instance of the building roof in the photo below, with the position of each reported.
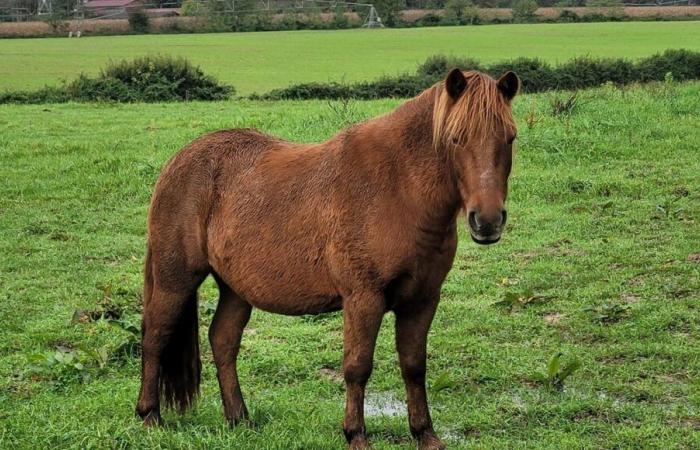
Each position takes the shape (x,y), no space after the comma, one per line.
(109,3)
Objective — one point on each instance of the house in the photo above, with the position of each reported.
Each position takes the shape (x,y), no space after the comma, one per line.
(111,9)
(119,9)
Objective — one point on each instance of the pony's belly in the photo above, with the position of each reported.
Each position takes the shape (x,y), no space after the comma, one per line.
(290,298)
(284,288)
(297,306)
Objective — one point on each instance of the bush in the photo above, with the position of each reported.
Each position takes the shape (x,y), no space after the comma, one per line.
(149,79)
(568,15)
(307,91)
(437,66)
(339,20)
(683,64)
(586,72)
(400,86)
(47,94)
(138,20)
(536,76)
(429,20)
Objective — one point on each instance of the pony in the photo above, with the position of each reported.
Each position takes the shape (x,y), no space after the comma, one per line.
(365,222)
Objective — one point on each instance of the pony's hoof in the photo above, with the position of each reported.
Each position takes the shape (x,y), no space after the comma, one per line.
(151,419)
(359,442)
(430,442)
(233,422)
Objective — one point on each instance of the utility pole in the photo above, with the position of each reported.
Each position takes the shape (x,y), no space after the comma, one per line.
(44,8)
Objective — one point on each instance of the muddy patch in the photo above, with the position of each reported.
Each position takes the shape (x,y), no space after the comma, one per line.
(331,374)
(554,318)
(384,404)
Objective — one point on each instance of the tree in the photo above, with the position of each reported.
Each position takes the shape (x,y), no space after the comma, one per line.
(524,10)
(138,20)
(191,8)
(456,7)
(389,10)
(461,11)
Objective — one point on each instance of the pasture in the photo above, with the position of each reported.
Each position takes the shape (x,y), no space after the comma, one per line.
(600,261)
(258,62)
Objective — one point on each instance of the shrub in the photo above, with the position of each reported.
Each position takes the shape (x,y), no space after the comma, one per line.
(149,79)
(568,15)
(587,72)
(429,20)
(392,87)
(683,64)
(47,94)
(307,91)
(437,66)
(536,75)
(138,20)
(339,20)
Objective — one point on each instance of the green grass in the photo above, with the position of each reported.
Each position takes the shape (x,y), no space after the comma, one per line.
(258,62)
(604,211)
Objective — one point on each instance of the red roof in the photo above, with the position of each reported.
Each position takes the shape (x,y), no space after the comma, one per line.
(109,3)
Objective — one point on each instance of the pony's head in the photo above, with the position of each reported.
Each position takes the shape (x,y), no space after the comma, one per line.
(472,120)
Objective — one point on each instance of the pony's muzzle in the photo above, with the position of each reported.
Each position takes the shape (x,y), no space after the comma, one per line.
(486,228)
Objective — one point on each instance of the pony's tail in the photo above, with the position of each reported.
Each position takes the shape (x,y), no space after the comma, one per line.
(180,364)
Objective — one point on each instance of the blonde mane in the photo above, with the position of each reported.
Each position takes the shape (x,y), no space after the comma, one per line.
(481,111)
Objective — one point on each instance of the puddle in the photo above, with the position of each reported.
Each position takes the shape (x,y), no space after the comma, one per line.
(453,436)
(384,404)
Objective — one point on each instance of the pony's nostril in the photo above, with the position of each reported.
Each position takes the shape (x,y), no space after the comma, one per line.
(504,217)
(473,220)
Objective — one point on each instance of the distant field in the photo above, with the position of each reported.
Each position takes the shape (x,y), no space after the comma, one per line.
(257,62)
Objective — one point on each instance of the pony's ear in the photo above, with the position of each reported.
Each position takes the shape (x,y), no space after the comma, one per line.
(509,84)
(455,83)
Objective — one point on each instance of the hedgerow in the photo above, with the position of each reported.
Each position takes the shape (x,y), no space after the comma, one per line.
(148,79)
(536,76)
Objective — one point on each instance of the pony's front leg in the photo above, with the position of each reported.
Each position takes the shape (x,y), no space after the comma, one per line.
(412,325)
(362,316)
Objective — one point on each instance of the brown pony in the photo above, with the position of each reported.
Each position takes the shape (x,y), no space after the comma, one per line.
(365,222)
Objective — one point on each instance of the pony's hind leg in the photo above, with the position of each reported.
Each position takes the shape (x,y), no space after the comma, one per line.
(225,334)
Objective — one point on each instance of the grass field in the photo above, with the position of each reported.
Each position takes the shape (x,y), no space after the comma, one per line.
(257,62)
(602,250)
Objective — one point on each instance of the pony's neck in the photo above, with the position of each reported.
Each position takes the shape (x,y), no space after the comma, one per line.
(428,176)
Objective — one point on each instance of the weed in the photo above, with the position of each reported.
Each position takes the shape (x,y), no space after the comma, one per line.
(515,301)
(532,115)
(557,373)
(444,381)
(608,313)
(564,106)
(668,208)
(62,366)
(344,111)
